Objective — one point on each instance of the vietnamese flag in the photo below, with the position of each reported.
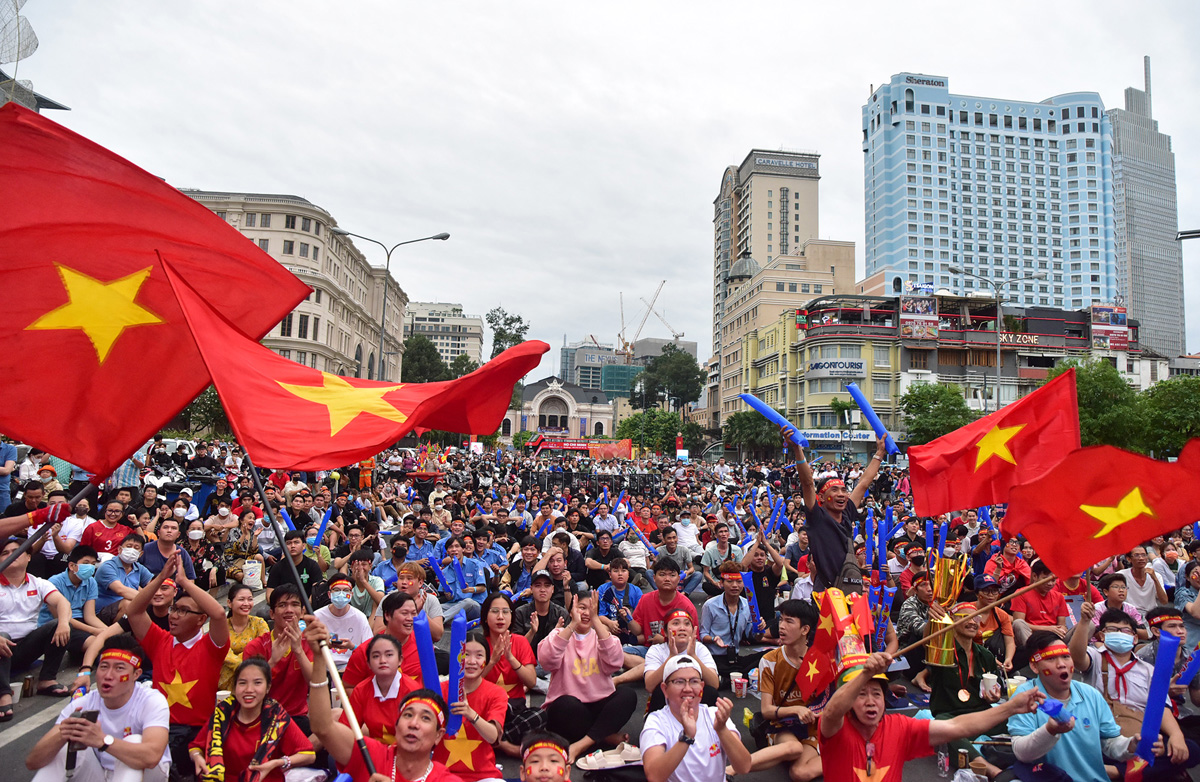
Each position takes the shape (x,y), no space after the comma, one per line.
(97,356)
(1101,501)
(818,668)
(979,463)
(289,416)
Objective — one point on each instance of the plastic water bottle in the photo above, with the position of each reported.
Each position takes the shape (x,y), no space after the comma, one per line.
(1055,711)
(943,760)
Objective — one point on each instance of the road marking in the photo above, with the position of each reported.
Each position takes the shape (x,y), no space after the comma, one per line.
(30,724)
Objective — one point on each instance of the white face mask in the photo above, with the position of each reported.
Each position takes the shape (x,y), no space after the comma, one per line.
(220,511)
(129,555)
(180,513)
(196,534)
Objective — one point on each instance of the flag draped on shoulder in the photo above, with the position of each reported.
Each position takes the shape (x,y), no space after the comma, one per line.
(288,415)
(1101,501)
(979,463)
(89,320)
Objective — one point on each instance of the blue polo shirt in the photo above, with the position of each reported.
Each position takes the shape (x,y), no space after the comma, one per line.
(75,595)
(387,571)
(473,576)
(112,571)
(1078,752)
(425,551)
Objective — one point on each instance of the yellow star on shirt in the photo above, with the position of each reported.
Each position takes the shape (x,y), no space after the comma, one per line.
(879,773)
(995,443)
(101,310)
(508,686)
(177,691)
(346,402)
(460,748)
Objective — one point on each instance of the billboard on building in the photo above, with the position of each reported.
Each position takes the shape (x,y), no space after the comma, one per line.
(918,317)
(1110,327)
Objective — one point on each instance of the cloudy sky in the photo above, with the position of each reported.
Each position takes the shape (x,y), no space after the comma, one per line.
(572,150)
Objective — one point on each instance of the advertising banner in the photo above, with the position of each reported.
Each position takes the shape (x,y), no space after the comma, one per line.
(918,317)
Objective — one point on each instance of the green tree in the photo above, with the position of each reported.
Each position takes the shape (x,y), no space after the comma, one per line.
(206,414)
(1172,410)
(422,362)
(517,401)
(933,409)
(842,410)
(752,433)
(507,330)
(673,374)
(1110,411)
(462,365)
(656,430)
(520,438)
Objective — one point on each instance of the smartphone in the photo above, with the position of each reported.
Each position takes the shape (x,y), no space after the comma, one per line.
(91,715)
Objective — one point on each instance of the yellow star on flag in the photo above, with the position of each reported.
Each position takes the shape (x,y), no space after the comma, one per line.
(812,671)
(879,773)
(995,443)
(1112,516)
(826,623)
(101,310)
(346,402)
(460,748)
(177,691)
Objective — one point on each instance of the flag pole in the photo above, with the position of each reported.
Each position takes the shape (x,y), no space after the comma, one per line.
(326,652)
(30,541)
(972,615)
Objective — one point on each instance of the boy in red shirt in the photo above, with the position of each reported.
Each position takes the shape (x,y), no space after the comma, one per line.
(1040,609)
(288,654)
(650,617)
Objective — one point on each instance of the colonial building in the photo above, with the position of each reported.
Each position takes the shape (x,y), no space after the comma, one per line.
(553,407)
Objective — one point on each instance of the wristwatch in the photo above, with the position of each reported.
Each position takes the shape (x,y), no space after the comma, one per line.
(108,742)
(689,740)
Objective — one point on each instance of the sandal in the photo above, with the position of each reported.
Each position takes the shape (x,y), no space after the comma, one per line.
(6,712)
(55,690)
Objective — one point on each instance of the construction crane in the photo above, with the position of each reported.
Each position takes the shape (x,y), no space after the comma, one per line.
(626,348)
(676,335)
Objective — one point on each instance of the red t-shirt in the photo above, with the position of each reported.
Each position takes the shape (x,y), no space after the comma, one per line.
(357,669)
(241,742)
(466,753)
(651,614)
(1084,588)
(103,539)
(1041,611)
(187,676)
(278,480)
(384,758)
(502,673)
(379,714)
(288,685)
(897,740)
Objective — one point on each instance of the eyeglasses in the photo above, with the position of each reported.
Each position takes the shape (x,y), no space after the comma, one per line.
(499,611)
(114,511)
(181,610)
(693,683)
(1122,630)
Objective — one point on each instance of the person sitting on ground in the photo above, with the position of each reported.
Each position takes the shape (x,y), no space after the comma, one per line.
(22,641)
(1075,750)
(512,666)
(1143,582)
(682,638)
(377,704)
(686,741)
(128,738)
(765,565)
(250,733)
(1039,609)
(914,619)
(244,627)
(995,626)
(419,729)
(618,599)
(1008,568)
(789,719)
(350,628)
(368,591)
(1166,619)
(650,616)
(77,585)
(718,552)
(859,740)
(1114,589)
(536,619)
(310,572)
(726,624)
(470,753)
(462,589)
(544,758)
(518,577)
(399,614)
(120,578)
(580,657)
(286,652)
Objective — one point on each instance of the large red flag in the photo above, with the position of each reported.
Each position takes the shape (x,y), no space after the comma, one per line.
(287,415)
(96,354)
(1101,501)
(977,464)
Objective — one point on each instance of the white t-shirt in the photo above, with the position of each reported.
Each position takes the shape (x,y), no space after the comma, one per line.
(657,656)
(1145,597)
(689,535)
(705,760)
(353,627)
(146,708)
(71,528)
(21,603)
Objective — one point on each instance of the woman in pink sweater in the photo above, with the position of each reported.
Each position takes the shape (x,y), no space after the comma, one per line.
(582,702)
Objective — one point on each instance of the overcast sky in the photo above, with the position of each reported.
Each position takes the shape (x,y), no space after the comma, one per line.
(572,150)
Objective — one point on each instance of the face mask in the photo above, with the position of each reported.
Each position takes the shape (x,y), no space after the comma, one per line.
(339,599)
(1118,642)
(129,555)
(1171,557)
(196,534)
(222,511)
(180,513)
(917,561)
(687,521)
(86,571)
(311,541)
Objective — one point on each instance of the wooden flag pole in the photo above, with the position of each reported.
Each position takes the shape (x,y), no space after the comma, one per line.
(972,615)
(326,652)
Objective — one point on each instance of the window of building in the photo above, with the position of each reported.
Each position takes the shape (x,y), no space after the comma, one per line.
(851,351)
(303,249)
(289,247)
(302,357)
(883,390)
(779,286)
(264,221)
(302,329)
(285,326)
(251,219)
(791,287)
(918,359)
(318,295)
(883,356)
(316,331)
(264,245)
(816,288)
(305,224)
(828,351)
(285,354)
(289,221)
(315,250)
(221,215)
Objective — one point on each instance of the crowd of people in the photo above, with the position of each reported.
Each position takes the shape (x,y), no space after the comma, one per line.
(585,585)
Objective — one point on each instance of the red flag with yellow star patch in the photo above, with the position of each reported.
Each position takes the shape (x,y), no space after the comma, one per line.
(1101,501)
(287,415)
(979,463)
(819,666)
(96,354)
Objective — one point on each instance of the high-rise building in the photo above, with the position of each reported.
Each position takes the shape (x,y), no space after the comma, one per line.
(580,362)
(1006,189)
(451,332)
(336,329)
(1149,259)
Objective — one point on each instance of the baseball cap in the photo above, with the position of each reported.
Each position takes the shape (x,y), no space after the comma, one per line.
(852,671)
(676,663)
(542,574)
(186,490)
(983,581)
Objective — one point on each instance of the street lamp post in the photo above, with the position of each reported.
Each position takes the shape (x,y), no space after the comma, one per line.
(998,287)
(387,274)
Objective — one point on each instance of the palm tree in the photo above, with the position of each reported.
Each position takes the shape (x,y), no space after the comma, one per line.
(751,432)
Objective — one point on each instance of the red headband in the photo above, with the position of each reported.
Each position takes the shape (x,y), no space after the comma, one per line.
(679,612)
(437,710)
(123,655)
(1156,621)
(543,745)
(169,582)
(832,483)
(1052,652)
